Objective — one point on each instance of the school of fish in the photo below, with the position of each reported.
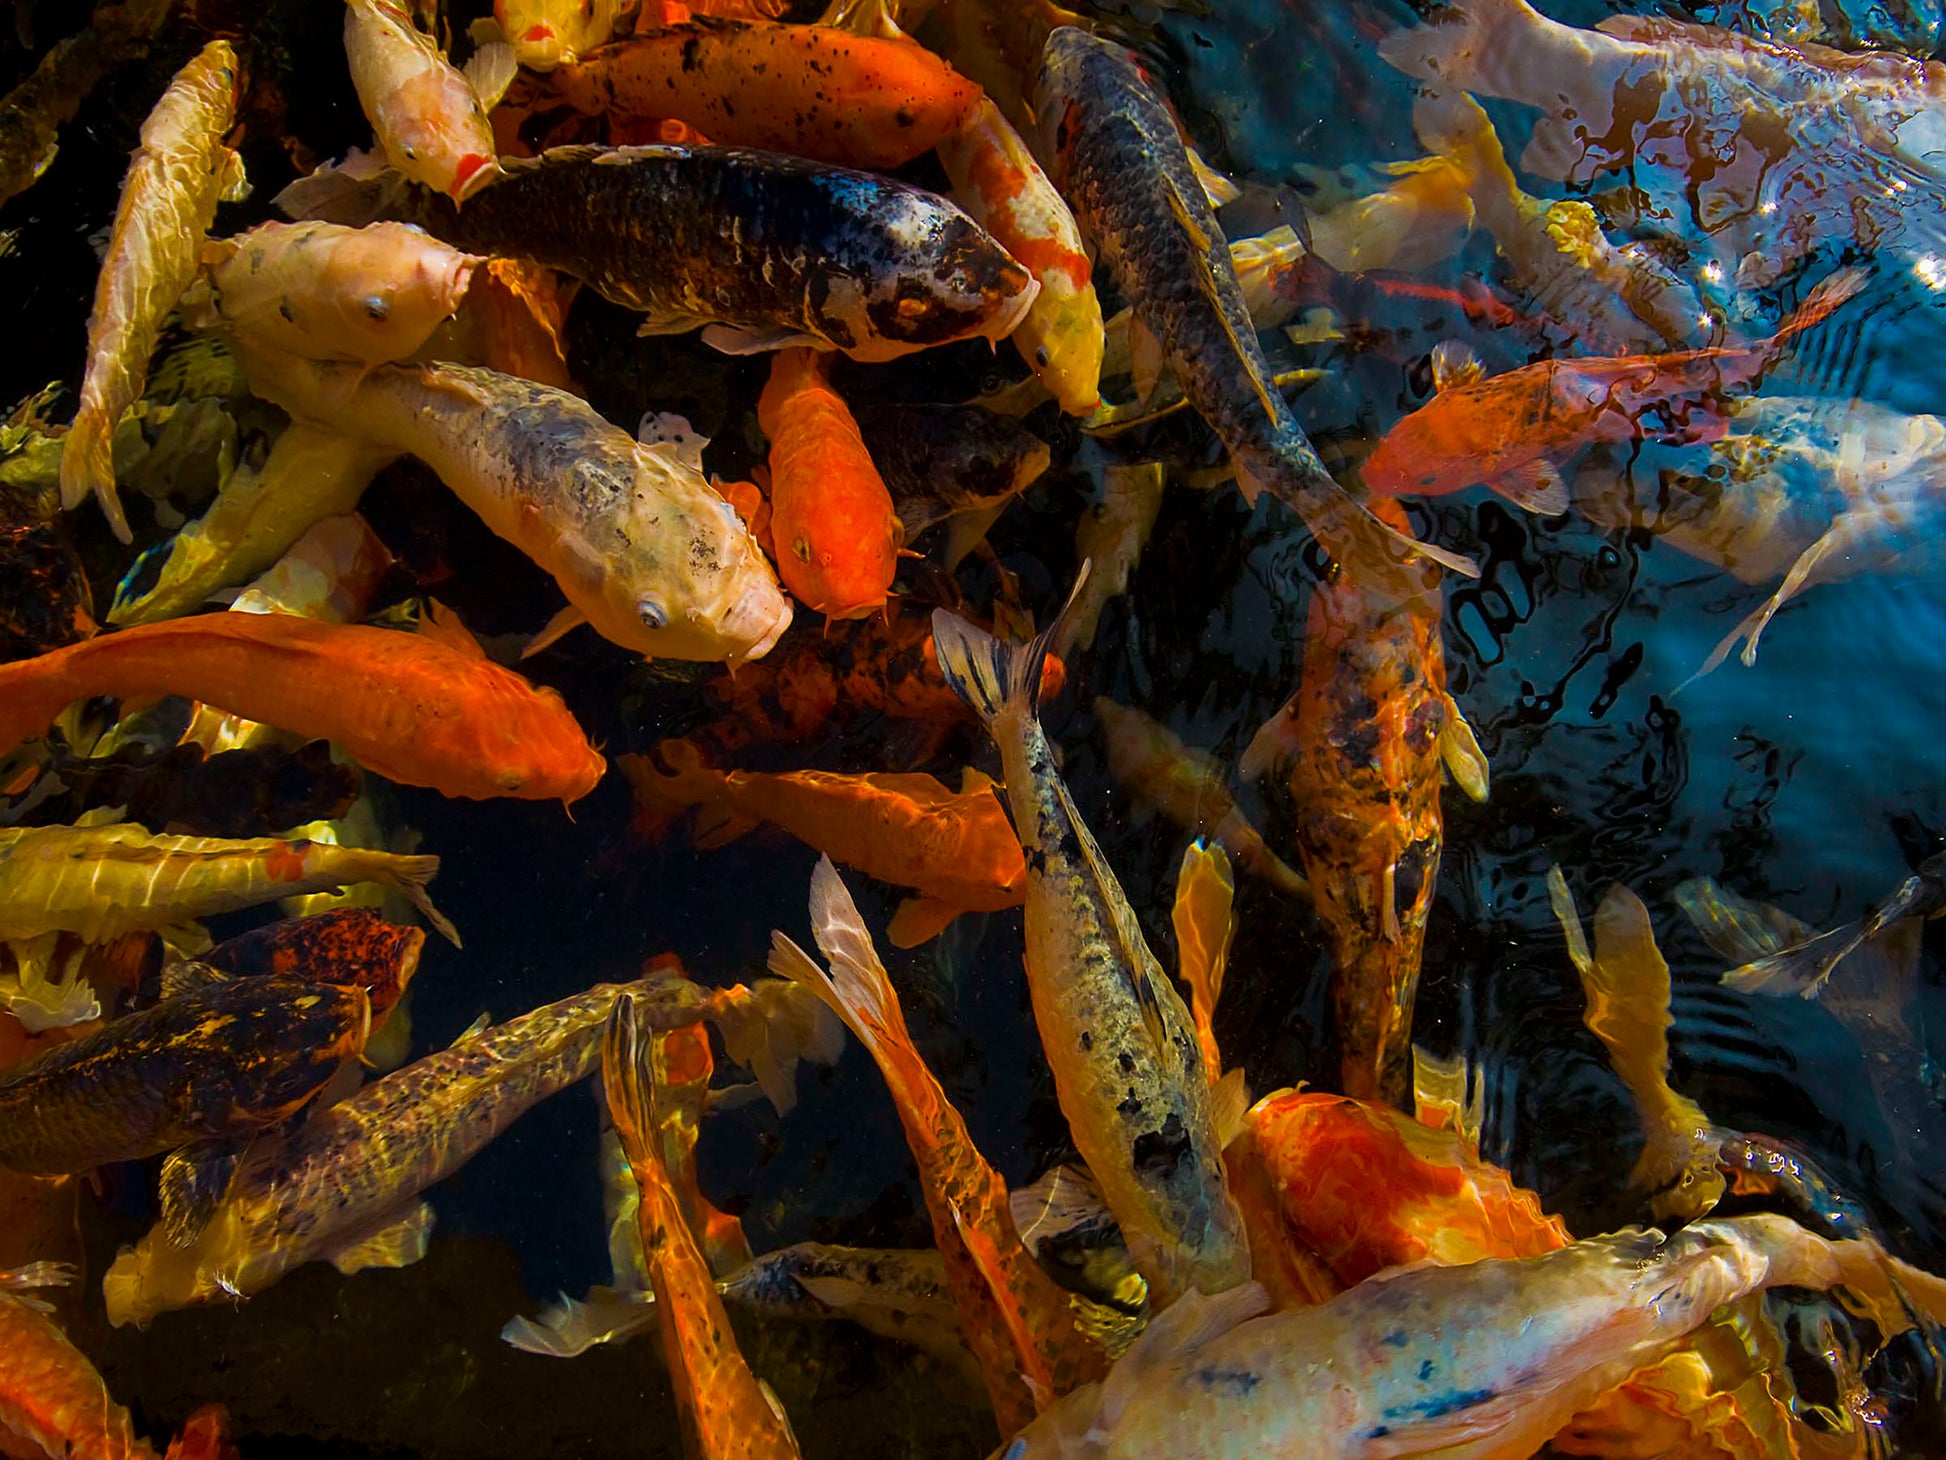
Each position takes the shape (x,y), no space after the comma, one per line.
(438,469)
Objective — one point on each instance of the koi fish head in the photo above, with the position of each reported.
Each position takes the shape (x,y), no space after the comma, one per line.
(543,754)
(944,278)
(435,132)
(546,33)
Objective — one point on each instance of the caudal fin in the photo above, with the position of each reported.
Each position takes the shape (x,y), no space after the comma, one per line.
(88,466)
(409,875)
(1821,301)
(857,989)
(993,677)
(627,1080)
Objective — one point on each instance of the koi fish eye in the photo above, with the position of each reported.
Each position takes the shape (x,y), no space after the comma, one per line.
(801,545)
(1041,357)
(410,155)
(376,308)
(509,781)
(652,614)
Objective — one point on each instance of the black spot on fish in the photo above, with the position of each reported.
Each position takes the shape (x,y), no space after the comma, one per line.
(1426,1370)
(1445,1404)
(1234,1382)
(690,53)
(1129,1109)
(1395,1339)
(1087,1041)
(1036,859)
(1159,1152)
(1126,1061)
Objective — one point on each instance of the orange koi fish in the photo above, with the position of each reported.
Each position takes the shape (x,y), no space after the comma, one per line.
(811,90)
(1367,731)
(424,709)
(1017,1321)
(725,1410)
(1509,431)
(831,518)
(879,666)
(997,181)
(175,180)
(957,848)
(426,115)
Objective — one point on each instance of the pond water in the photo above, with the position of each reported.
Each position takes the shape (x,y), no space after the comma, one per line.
(1811,780)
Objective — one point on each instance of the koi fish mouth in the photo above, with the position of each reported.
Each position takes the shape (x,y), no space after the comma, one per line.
(475,170)
(537,33)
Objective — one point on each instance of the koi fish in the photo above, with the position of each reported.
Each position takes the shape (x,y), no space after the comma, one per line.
(1424,1360)
(810,90)
(1110,535)
(1616,299)
(997,181)
(1413,224)
(259,514)
(45,598)
(725,1410)
(424,709)
(1368,731)
(1015,1320)
(102,881)
(1121,163)
(175,180)
(1627,984)
(327,292)
(879,667)
(1806,490)
(957,848)
(837,539)
(826,257)
(1762,140)
(228,1058)
(954,464)
(426,115)
(646,553)
(1120,1043)
(1508,430)
(512,320)
(51,1397)
(353,946)
(546,33)
(1186,786)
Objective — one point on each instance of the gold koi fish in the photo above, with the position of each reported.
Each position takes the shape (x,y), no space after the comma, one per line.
(424,112)
(178,175)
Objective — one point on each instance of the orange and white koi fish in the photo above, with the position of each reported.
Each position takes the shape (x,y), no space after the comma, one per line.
(997,181)
(1121,1044)
(1186,786)
(831,519)
(425,113)
(1509,431)
(326,292)
(727,1413)
(957,848)
(1488,1359)
(175,180)
(1368,730)
(811,90)
(545,33)
(426,709)
(1017,1322)
(1627,984)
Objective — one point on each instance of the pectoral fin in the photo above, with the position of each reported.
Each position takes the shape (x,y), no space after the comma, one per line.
(563,623)
(730,341)
(1454,364)
(1216,187)
(192,1185)
(186,975)
(1460,749)
(1534,486)
(920,920)
(967,530)
(1145,352)
(400,1244)
(490,71)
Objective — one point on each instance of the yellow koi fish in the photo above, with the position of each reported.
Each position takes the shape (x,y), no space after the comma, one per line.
(425,113)
(178,175)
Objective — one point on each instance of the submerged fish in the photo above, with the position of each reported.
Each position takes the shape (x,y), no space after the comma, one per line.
(1627,985)
(955,464)
(1186,785)
(1509,431)
(956,848)
(352,946)
(45,599)
(811,90)
(1423,1361)
(52,1399)
(1121,163)
(835,536)
(646,552)
(725,1410)
(1119,1041)
(413,708)
(328,292)
(997,180)
(225,1059)
(175,180)
(544,33)
(1016,1321)
(424,112)
(820,256)
(1367,732)
(101,881)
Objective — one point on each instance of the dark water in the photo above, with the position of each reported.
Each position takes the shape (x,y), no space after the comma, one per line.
(1812,780)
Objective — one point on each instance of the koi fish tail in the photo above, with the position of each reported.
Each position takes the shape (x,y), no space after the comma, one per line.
(629,1082)
(88,466)
(1204,918)
(1818,305)
(1376,553)
(857,989)
(408,877)
(995,678)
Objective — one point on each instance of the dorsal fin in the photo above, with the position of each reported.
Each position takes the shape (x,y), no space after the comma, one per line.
(440,624)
